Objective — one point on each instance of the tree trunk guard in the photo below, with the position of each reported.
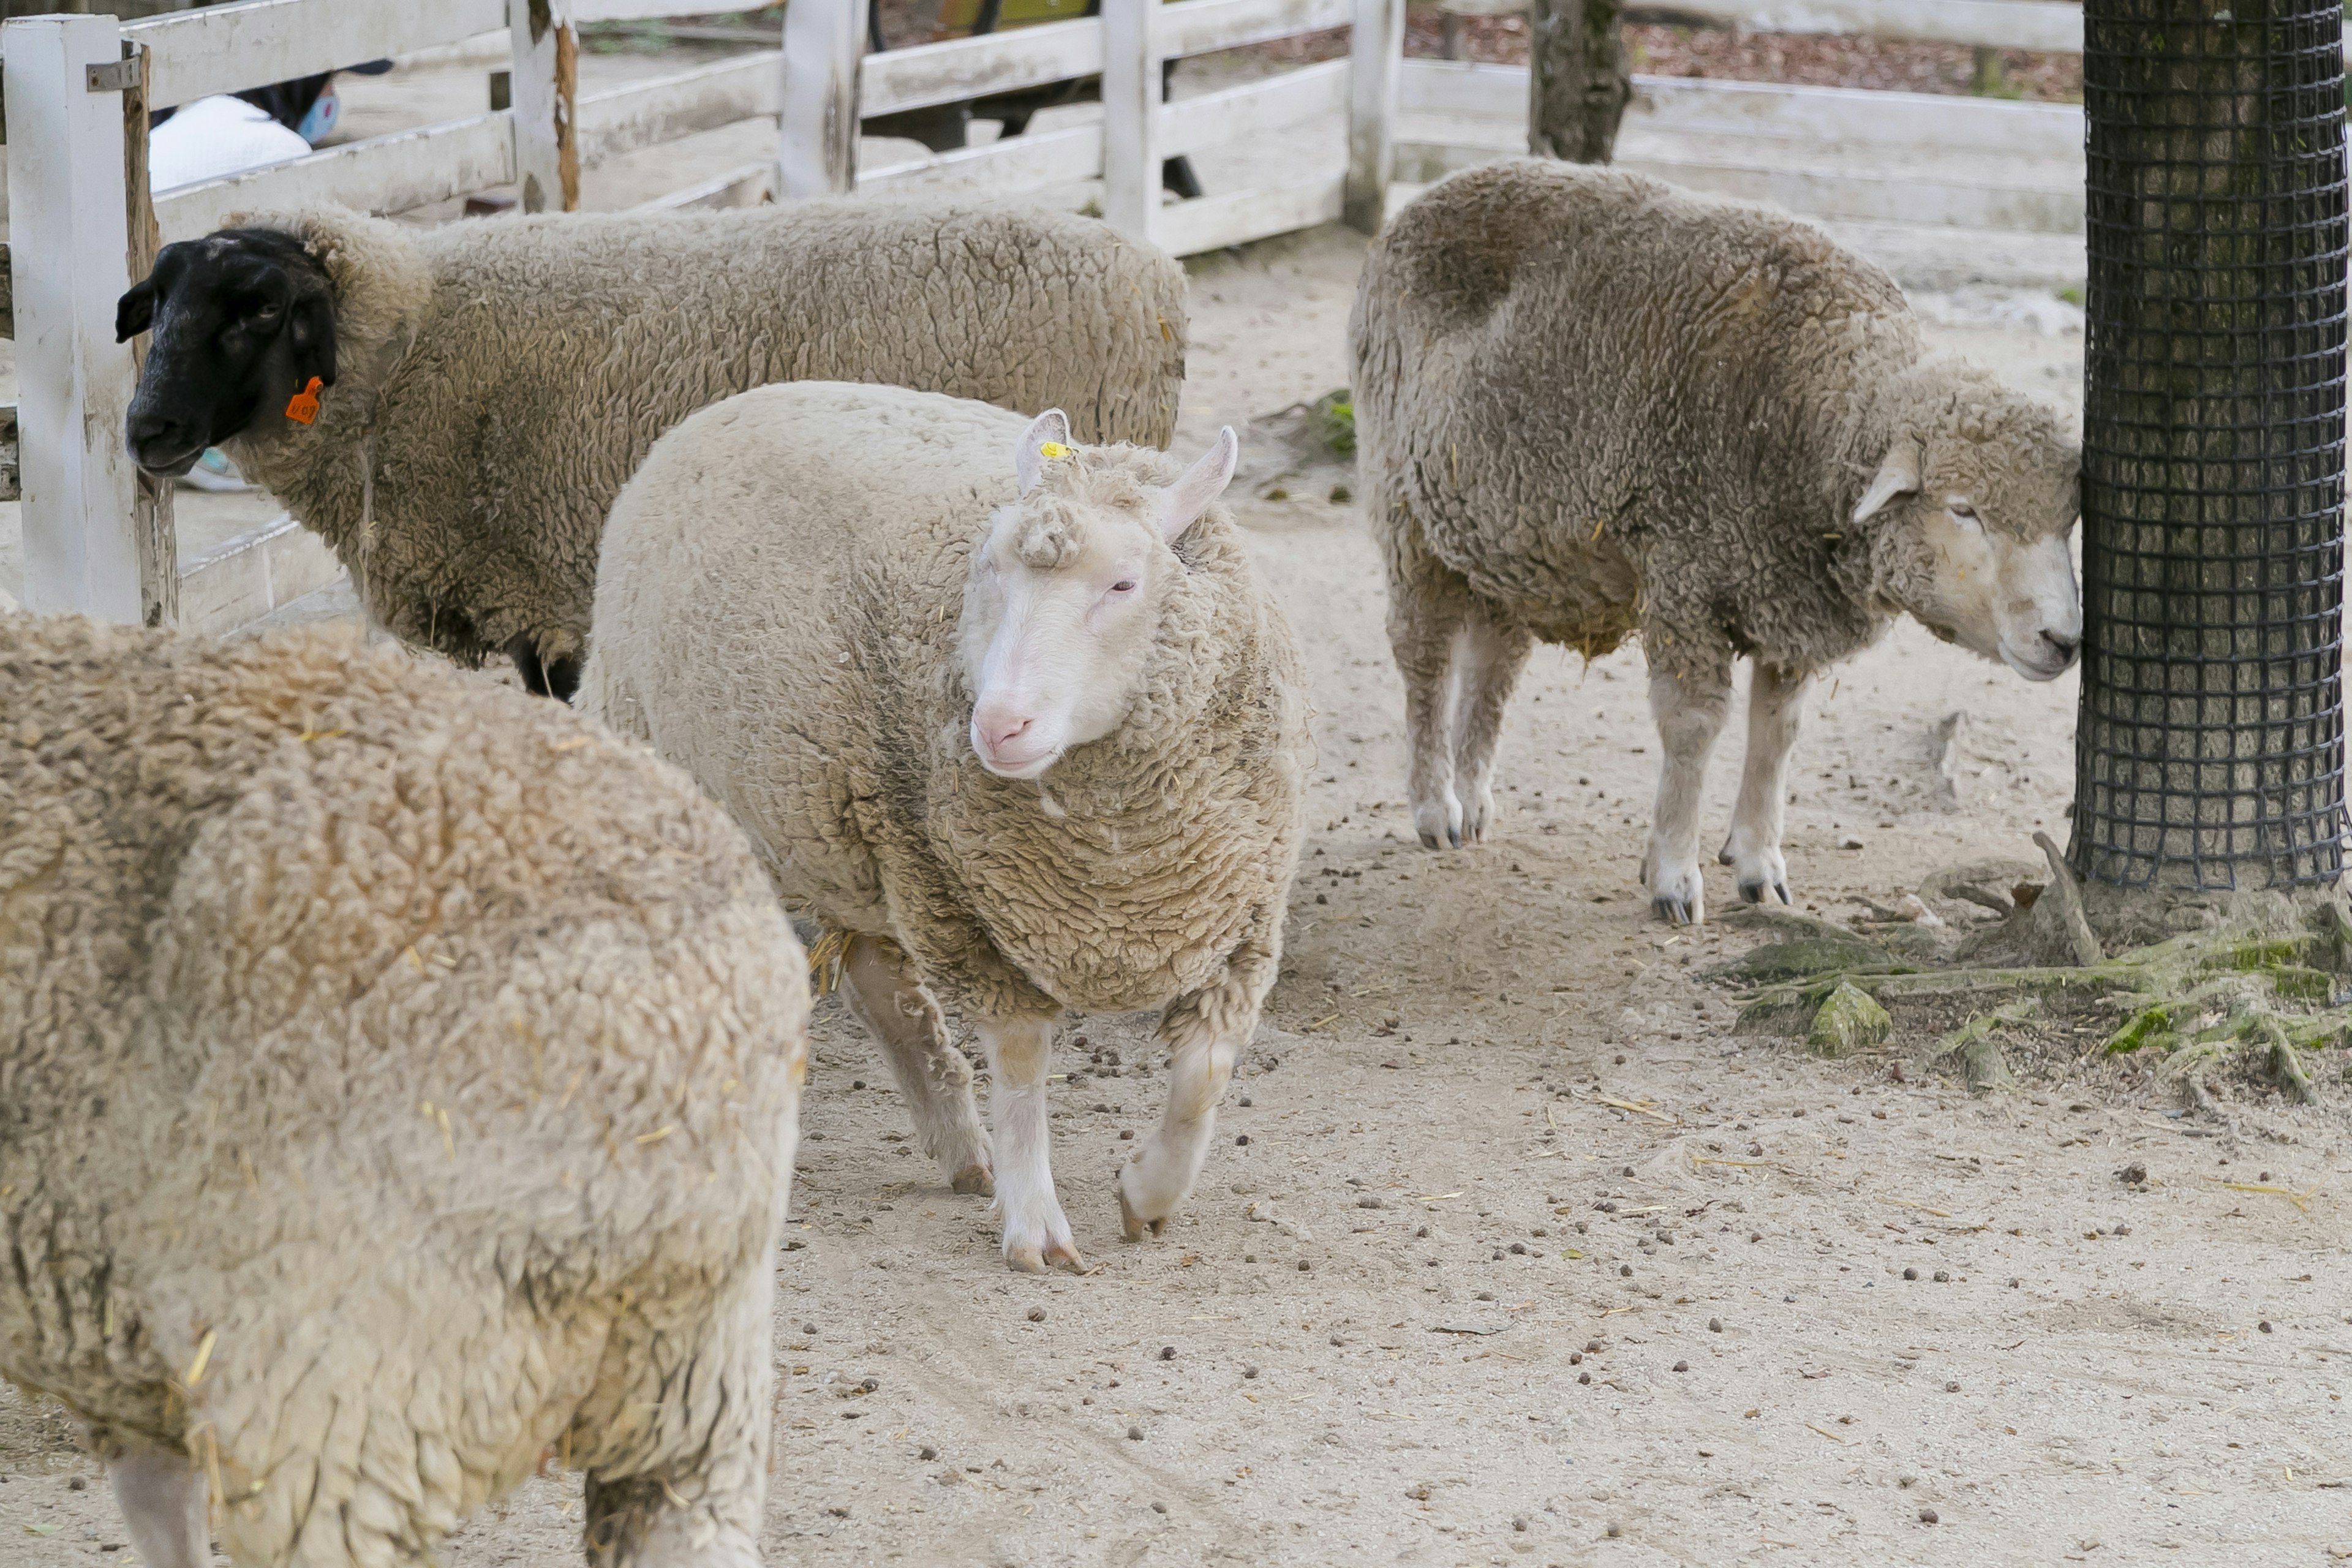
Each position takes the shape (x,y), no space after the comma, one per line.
(2209,751)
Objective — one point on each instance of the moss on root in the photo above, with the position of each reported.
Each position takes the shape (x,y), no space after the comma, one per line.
(2256,995)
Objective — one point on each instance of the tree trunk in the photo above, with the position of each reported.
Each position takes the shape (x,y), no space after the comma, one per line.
(2209,750)
(1579,81)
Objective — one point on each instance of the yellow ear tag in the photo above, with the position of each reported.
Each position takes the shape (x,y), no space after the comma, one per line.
(1055,450)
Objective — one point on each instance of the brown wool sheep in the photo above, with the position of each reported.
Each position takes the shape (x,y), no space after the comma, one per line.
(398,1079)
(1590,405)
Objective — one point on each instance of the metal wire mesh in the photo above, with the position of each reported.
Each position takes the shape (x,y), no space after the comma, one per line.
(2208,751)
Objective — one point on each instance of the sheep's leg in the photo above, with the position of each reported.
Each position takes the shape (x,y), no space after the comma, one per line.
(1776,708)
(1487,659)
(1037,1233)
(1206,1032)
(162,1501)
(676,1437)
(1689,712)
(884,994)
(1428,606)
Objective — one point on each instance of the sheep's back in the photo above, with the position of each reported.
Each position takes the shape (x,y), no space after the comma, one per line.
(1555,363)
(360,981)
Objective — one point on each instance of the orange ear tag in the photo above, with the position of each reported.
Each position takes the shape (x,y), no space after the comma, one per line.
(303,406)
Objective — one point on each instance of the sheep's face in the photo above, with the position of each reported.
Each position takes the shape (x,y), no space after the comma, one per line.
(243,320)
(1063,603)
(1980,507)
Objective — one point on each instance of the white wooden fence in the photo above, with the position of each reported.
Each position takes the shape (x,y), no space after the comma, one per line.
(82,228)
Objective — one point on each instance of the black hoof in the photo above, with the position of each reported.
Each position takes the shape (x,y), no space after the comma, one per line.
(1751,892)
(1674,911)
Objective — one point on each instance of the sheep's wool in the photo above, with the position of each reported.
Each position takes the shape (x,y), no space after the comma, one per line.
(779,612)
(397,1081)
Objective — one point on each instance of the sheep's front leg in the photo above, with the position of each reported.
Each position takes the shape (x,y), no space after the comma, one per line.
(162,1501)
(886,995)
(1485,667)
(1205,1032)
(1035,1232)
(1776,708)
(1689,713)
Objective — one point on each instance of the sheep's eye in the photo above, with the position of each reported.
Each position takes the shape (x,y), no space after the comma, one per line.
(1124,586)
(1962,509)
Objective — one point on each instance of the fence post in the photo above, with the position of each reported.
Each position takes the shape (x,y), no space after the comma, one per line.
(816,152)
(1132,95)
(544,84)
(152,525)
(71,244)
(1375,63)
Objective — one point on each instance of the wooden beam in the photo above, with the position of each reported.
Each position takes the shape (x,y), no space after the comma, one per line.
(1204,27)
(385,174)
(643,114)
(816,151)
(1375,64)
(1211,222)
(1065,155)
(545,80)
(1316,92)
(71,244)
(964,69)
(227,48)
(1132,95)
(152,526)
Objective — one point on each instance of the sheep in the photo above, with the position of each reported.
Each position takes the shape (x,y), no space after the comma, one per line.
(398,1083)
(1590,405)
(1014,717)
(455,409)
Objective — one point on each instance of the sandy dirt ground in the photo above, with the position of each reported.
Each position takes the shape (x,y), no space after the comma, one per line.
(1510,1250)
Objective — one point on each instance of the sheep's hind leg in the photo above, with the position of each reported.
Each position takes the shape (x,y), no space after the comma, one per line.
(1205,1032)
(1689,713)
(883,993)
(162,1501)
(1428,606)
(1487,665)
(1036,1233)
(1776,708)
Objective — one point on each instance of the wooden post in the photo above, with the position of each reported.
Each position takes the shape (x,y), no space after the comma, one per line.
(1579,79)
(1131,93)
(70,244)
(816,152)
(152,525)
(544,85)
(1375,62)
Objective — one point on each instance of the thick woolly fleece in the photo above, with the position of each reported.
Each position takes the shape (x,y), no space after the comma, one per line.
(779,612)
(499,382)
(398,1079)
(1600,403)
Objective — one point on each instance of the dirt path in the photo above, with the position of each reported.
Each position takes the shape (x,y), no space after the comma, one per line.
(1497,1315)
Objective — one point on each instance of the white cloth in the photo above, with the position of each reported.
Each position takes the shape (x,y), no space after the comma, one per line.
(216,136)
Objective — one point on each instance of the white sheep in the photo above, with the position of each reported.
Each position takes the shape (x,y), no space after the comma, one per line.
(398,1079)
(1591,405)
(1013,715)
(455,409)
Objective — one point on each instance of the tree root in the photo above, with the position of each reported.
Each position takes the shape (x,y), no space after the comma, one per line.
(2202,999)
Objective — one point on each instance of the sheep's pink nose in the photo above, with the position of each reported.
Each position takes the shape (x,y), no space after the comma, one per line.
(1001,730)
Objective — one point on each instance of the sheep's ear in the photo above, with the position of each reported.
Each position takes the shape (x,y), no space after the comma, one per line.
(135,312)
(1898,475)
(311,324)
(1180,506)
(1051,429)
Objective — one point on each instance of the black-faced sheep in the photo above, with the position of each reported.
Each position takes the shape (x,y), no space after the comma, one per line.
(1014,715)
(455,409)
(1591,404)
(397,1090)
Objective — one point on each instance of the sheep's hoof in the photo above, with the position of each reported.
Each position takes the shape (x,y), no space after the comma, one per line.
(1676,911)
(1753,892)
(974,1180)
(1134,1225)
(1037,1260)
